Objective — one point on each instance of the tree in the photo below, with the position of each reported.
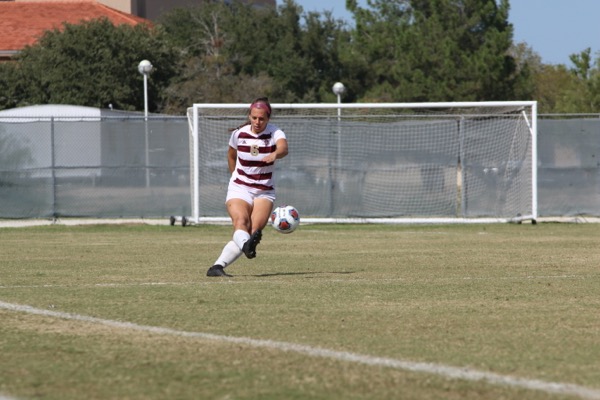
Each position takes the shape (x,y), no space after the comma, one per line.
(212,70)
(583,94)
(9,97)
(327,46)
(436,50)
(550,84)
(380,40)
(92,64)
(528,65)
(235,52)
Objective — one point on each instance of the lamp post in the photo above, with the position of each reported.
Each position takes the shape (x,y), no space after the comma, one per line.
(145,67)
(339,89)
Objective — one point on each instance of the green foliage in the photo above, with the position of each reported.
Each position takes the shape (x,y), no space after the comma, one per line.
(92,64)
(583,94)
(211,70)
(549,82)
(396,50)
(437,50)
(8,89)
(236,52)
(560,89)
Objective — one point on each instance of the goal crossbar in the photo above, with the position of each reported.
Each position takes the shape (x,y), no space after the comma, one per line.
(458,104)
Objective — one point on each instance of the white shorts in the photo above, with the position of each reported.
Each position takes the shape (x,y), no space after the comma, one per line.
(235,191)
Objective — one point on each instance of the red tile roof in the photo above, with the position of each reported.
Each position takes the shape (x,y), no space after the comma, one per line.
(23,22)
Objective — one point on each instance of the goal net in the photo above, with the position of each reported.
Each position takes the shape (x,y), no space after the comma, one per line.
(382,162)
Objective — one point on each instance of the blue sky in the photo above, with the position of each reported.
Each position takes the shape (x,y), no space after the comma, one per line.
(554,29)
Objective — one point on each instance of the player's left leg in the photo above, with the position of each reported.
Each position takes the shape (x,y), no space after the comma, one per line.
(259,218)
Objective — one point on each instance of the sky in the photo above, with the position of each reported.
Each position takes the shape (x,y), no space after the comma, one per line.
(554,29)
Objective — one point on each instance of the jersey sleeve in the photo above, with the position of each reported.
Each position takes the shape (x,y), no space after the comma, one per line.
(279,134)
(233,142)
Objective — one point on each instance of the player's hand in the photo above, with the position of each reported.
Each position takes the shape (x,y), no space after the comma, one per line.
(270,158)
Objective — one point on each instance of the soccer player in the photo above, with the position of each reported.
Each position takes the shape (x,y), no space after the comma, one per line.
(253,149)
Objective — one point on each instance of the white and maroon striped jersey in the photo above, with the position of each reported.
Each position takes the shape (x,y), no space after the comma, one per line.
(249,170)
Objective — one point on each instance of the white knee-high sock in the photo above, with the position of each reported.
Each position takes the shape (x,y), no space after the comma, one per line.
(240,237)
(230,253)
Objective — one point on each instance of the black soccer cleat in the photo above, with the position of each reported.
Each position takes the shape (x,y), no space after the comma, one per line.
(249,247)
(216,270)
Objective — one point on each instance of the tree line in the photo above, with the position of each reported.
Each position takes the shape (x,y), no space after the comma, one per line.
(218,52)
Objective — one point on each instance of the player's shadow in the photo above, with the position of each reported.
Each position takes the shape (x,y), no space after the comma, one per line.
(303,273)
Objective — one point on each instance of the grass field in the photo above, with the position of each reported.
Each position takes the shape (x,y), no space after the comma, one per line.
(328,312)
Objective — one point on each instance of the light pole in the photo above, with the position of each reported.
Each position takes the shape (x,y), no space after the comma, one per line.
(145,67)
(339,89)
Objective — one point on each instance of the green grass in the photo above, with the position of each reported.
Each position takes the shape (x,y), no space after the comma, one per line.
(515,300)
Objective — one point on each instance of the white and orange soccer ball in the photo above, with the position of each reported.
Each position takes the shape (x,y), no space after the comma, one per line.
(285,219)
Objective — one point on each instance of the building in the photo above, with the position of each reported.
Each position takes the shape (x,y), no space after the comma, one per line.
(152,9)
(24,22)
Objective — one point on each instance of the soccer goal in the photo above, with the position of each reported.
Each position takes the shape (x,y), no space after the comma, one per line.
(382,162)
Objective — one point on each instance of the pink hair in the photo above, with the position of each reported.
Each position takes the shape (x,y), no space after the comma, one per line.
(261,105)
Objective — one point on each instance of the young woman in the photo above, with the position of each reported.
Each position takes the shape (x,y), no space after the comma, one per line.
(253,149)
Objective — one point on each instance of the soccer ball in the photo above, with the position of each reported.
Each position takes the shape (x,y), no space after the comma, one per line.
(285,219)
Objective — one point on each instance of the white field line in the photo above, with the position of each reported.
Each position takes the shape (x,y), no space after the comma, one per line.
(274,280)
(429,368)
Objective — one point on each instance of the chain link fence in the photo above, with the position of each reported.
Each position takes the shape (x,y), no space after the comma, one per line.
(132,167)
(569,165)
(94,167)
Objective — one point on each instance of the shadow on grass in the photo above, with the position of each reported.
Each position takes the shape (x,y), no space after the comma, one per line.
(302,273)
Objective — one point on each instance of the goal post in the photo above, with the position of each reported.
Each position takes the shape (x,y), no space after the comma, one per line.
(445,162)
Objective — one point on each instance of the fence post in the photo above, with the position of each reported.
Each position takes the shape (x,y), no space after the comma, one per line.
(52,167)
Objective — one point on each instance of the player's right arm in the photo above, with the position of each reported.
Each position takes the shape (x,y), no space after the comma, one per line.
(231,159)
